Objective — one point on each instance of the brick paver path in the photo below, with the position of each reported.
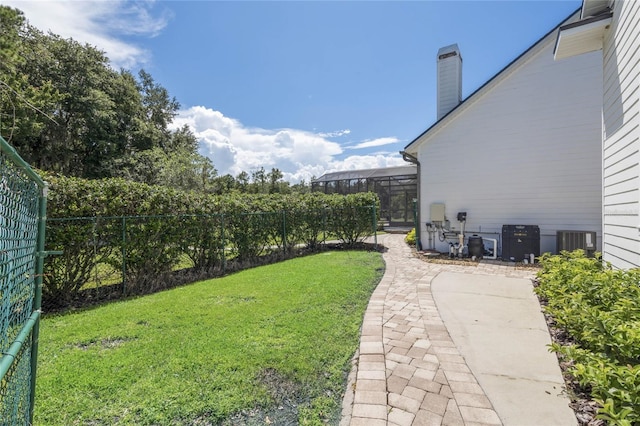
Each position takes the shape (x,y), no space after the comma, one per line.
(408,371)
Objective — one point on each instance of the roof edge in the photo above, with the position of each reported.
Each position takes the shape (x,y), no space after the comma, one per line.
(364,173)
(495,76)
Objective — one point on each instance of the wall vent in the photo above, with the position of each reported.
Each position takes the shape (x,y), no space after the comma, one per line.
(573,240)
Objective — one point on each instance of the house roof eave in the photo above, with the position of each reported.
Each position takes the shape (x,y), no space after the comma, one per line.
(586,35)
(593,7)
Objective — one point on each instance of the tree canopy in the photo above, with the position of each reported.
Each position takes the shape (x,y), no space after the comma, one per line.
(66,110)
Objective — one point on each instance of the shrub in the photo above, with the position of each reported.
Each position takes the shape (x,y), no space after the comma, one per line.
(84,244)
(411,237)
(144,233)
(600,309)
(350,217)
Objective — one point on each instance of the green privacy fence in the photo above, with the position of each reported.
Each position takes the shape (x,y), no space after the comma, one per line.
(110,257)
(22,226)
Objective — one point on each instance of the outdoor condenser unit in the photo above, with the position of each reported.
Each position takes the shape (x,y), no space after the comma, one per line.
(519,242)
(573,240)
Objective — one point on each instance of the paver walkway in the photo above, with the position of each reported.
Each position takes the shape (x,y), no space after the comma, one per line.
(408,370)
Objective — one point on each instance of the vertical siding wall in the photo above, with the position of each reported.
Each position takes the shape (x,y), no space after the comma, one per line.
(621,124)
(525,151)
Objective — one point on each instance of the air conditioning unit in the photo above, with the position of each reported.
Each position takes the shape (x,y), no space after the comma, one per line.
(573,240)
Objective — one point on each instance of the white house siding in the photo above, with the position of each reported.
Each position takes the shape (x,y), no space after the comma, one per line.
(621,135)
(524,150)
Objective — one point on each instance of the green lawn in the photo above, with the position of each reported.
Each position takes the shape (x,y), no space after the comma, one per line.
(263,342)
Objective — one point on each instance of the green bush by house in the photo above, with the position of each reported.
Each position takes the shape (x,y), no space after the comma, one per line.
(600,309)
(411,237)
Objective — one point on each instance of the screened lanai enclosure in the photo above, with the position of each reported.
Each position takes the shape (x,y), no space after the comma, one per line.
(397,188)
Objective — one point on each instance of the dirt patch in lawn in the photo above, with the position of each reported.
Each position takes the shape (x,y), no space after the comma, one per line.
(287,396)
(106,343)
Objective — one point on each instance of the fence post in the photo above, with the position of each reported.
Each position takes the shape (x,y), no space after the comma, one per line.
(124,254)
(375,227)
(284,231)
(224,246)
(95,251)
(324,226)
(37,300)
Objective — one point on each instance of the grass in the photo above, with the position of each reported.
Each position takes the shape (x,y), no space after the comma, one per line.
(280,335)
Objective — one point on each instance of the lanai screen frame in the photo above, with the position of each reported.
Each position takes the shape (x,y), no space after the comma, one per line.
(397,188)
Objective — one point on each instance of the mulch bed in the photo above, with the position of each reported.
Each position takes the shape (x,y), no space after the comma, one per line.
(444,258)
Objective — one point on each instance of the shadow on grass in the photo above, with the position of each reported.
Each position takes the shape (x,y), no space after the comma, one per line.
(93,297)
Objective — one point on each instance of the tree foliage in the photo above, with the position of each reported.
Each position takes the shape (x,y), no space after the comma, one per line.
(66,110)
(23,105)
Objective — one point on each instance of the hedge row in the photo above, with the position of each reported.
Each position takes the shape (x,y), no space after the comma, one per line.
(600,309)
(137,236)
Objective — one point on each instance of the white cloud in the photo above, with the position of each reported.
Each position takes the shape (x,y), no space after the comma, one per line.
(335,134)
(299,154)
(98,23)
(375,142)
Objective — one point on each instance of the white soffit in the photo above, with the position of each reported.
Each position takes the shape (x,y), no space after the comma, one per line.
(580,37)
(593,7)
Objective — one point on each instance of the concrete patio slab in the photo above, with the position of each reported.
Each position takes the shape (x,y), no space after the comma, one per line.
(498,327)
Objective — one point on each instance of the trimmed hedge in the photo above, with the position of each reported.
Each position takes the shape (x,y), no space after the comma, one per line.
(599,307)
(114,231)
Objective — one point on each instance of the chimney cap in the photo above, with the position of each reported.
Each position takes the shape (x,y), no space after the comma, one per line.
(447,51)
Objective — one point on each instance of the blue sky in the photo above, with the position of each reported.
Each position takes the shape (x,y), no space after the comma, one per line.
(307,87)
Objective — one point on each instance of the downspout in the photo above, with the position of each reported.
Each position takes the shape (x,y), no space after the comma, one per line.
(411,159)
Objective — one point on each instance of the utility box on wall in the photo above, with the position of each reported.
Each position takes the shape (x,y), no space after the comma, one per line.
(437,212)
(520,241)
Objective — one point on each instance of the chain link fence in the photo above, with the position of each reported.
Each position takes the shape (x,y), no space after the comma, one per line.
(102,258)
(22,218)
(105,258)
